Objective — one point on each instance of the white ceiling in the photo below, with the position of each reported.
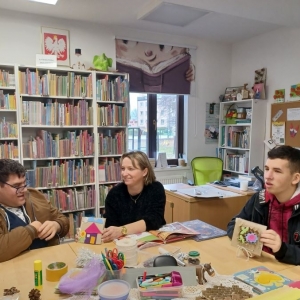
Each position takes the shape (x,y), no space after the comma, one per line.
(229,21)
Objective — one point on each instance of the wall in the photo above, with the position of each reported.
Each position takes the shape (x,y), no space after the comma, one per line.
(278,51)
(21,40)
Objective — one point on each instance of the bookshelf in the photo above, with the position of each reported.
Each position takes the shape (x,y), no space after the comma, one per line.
(241,145)
(71,122)
(9,133)
(111,93)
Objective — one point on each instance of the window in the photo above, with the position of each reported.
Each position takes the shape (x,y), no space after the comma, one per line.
(163,132)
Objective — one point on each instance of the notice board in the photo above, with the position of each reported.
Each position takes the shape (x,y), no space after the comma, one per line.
(289,113)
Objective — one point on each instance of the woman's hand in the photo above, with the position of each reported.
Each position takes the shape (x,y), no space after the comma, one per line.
(111,233)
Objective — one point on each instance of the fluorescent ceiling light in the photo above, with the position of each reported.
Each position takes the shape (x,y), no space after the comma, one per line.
(53,2)
(173,14)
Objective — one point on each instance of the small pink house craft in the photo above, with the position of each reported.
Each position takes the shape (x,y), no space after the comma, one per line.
(90,231)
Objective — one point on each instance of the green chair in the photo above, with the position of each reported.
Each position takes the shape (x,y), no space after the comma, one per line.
(206,169)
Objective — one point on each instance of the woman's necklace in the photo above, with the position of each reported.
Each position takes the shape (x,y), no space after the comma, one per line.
(137,197)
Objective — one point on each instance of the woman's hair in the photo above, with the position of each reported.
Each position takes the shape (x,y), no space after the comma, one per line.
(143,162)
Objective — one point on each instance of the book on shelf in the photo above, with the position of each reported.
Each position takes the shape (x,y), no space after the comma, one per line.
(262,279)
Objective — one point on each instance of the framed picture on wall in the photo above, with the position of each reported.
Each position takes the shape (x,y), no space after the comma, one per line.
(56,42)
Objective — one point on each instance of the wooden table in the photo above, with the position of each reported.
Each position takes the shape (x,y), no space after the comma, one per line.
(18,272)
(215,211)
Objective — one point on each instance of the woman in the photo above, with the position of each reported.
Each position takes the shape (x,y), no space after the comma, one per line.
(138,203)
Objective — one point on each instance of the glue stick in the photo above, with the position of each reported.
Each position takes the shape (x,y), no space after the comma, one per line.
(38,274)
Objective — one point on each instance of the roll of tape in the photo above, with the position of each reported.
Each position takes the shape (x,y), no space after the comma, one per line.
(55,271)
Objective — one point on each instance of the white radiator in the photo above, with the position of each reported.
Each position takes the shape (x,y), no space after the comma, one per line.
(171,179)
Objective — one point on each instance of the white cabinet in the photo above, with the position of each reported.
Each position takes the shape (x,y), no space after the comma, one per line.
(241,139)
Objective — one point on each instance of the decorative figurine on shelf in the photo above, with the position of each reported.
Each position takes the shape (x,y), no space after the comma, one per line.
(78,66)
(245,92)
(102,62)
(200,272)
(257,94)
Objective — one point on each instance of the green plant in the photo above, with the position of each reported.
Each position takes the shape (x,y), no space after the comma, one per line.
(102,62)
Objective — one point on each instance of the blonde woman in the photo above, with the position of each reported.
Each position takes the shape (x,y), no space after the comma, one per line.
(138,203)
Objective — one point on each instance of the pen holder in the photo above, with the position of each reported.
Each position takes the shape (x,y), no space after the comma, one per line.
(115,274)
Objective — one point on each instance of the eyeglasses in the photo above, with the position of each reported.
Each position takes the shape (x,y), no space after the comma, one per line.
(19,189)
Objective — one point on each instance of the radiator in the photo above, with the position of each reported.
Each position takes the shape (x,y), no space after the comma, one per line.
(171,179)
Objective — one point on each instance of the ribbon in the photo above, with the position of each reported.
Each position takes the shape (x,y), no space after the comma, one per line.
(247,252)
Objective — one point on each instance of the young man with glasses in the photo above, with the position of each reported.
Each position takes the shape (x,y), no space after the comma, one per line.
(27,220)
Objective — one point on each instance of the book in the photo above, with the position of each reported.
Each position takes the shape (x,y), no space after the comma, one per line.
(262,279)
(206,231)
(168,233)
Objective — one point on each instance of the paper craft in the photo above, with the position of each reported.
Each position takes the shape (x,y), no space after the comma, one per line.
(262,279)
(246,236)
(90,231)
(278,132)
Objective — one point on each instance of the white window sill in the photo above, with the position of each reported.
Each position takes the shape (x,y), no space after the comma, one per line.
(171,169)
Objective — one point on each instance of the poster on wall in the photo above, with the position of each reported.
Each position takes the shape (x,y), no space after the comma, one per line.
(56,42)
(155,68)
(212,123)
(278,132)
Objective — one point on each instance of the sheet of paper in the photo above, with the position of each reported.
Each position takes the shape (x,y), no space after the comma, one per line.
(278,132)
(207,191)
(293,114)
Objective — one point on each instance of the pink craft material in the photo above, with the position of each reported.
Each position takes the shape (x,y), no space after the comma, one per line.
(82,280)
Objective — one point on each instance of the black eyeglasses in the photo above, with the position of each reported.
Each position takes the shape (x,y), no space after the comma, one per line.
(19,189)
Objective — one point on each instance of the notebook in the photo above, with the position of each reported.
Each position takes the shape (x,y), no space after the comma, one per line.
(262,279)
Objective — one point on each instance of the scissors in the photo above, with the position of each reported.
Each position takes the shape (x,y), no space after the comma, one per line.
(116,258)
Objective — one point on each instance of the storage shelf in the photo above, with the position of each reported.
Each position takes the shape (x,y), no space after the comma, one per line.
(7,87)
(63,186)
(58,97)
(55,158)
(56,126)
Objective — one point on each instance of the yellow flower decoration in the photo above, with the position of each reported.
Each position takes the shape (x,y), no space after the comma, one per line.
(82,234)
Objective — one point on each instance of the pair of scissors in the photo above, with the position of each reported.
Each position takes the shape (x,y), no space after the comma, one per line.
(112,253)
(116,258)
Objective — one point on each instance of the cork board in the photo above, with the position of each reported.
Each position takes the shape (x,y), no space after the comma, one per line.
(291,116)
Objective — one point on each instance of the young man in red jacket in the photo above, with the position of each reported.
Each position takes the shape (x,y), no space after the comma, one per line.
(278,205)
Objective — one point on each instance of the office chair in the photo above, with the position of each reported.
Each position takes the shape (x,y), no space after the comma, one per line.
(206,169)
(164,261)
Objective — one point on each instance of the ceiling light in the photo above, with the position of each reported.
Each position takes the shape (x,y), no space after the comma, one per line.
(173,14)
(53,2)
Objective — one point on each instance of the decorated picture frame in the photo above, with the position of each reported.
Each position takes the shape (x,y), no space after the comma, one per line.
(246,236)
(56,42)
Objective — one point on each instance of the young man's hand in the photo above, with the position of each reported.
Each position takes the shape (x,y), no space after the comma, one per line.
(48,230)
(271,239)
(111,233)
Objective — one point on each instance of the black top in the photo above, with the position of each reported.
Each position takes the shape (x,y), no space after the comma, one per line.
(120,209)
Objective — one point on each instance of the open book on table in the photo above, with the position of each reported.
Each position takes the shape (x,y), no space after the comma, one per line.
(262,279)
(169,233)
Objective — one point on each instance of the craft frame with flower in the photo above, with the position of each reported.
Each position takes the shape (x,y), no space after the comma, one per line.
(246,236)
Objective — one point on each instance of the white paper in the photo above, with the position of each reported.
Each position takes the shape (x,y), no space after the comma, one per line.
(162,160)
(43,60)
(278,133)
(207,191)
(293,114)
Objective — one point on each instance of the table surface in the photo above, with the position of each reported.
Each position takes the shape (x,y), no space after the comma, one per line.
(18,272)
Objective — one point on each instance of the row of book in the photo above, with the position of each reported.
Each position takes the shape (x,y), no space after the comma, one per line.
(9,150)
(109,170)
(112,115)
(49,84)
(109,89)
(8,129)
(238,137)
(103,191)
(236,162)
(59,173)
(72,198)
(57,114)
(46,144)
(7,101)
(109,144)
(6,79)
